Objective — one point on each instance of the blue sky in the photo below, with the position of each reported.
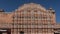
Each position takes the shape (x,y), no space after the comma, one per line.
(9,5)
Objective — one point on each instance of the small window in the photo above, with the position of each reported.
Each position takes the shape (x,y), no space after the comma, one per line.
(21,32)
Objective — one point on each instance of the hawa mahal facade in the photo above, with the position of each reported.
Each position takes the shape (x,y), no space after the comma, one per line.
(29,18)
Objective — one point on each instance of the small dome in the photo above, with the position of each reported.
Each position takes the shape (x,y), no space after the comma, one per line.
(1,10)
(50,8)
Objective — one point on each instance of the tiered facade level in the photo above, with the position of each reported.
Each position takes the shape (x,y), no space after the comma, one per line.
(30,18)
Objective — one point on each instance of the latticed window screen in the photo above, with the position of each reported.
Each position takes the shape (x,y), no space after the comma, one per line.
(32,22)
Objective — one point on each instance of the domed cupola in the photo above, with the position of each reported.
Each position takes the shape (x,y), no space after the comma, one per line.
(51,10)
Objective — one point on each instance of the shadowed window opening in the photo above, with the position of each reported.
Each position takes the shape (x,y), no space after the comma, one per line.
(0,32)
(56,33)
(21,32)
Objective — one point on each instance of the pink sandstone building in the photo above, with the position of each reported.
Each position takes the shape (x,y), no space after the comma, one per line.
(29,18)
